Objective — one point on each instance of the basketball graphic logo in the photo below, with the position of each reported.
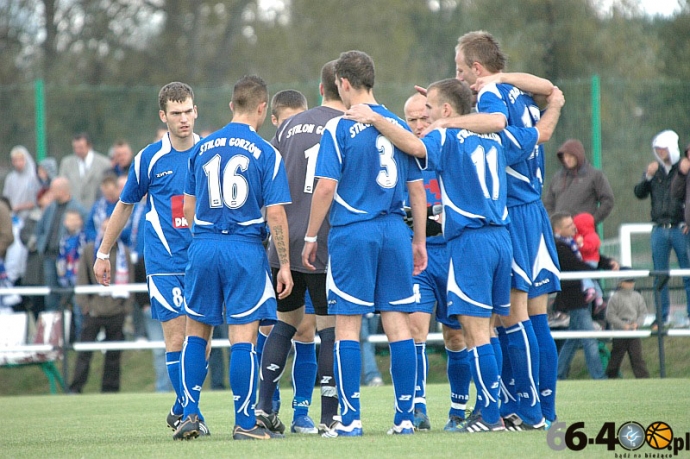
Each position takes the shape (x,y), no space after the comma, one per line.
(659,435)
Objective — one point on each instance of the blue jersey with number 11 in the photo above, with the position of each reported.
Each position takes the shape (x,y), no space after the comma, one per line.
(372,174)
(471,169)
(234,174)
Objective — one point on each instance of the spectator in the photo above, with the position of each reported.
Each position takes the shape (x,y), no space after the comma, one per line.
(578,187)
(667,213)
(679,189)
(84,170)
(21,184)
(626,311)
(49,232)
(33,275)
(103,208)
(121,156)
(71,245)
(570,298)
(588,243)
(103,312)
(46,171)
(6,240)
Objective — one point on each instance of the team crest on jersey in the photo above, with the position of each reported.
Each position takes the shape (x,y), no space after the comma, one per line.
(176,209)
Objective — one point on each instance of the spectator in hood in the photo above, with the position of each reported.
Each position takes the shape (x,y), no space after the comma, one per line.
(667,211)
(679,189)
(578,187)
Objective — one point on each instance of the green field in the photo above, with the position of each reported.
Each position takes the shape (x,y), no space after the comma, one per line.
(132,425)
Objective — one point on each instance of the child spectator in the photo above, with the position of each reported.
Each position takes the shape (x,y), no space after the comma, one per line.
(67,262)
(588,243)
(626,311)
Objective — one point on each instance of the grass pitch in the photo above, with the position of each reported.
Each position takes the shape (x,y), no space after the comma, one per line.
(132,425)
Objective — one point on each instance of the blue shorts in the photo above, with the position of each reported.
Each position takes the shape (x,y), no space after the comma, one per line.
(228,276)
(370,267)
(536,269)
(480,288)
(430,286)
(166,292)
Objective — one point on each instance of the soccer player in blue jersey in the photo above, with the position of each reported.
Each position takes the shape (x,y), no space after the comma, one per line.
(159,170)
(236,184)
(298,140)
(430,286)
(363,176)
(472,175)
(525,334)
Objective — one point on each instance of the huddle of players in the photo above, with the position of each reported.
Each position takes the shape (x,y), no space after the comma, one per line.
(362,175)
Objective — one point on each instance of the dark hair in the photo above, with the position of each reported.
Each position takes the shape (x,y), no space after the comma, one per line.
(288,98)
(357,67)
(248,93)
(175,92)
(330,89)
(80,136)
(480,46)
(454,92)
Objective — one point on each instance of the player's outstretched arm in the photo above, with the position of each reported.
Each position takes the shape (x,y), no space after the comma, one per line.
(417,196)
(401,138)
(118,220)
(524,81)
(482,123)
(320,203)
(549,119)
(277,221)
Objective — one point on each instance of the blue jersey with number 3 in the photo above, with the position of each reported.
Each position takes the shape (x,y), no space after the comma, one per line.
(234,174)
(471,169)
(372,174)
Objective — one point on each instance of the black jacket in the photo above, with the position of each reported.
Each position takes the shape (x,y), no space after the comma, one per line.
(571,295)
(666,208)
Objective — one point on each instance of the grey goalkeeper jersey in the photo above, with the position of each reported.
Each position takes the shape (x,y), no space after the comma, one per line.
(298,139)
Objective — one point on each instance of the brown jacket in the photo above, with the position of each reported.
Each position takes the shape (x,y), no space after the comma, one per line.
(102,305)
(6,234)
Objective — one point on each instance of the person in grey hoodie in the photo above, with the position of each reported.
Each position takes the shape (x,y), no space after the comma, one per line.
(578,187)
(667,211)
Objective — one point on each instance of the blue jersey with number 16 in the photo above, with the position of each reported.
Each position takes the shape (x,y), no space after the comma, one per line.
(234,174)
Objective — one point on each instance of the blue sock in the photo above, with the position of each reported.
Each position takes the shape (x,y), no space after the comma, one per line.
(260,343)
(403,362)
(459,377)
(329,393)
(243,380)
(193,361)
(548,365)
(420,385)
(272,364)
(347,362)
(507,392)
(524,358)
(304,368)
(172,363)
(485,375)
